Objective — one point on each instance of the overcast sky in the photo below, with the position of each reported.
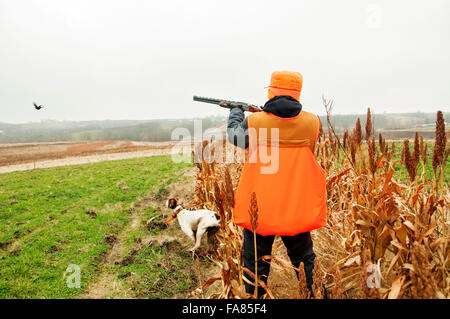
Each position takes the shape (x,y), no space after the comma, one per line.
(130,59)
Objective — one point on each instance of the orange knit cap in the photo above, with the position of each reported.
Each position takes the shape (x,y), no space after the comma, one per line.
(285,83)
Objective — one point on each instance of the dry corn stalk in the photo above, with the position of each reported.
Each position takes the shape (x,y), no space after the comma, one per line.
(253,212)
(373,219)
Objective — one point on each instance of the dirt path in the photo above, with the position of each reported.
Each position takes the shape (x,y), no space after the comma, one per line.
(107,283)
(82,160)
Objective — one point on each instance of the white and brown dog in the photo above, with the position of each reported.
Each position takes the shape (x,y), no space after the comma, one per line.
(194,223)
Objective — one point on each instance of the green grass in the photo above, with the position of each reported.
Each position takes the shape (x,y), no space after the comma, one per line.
(400,169)
(153,271)
(44,224)
(172,273)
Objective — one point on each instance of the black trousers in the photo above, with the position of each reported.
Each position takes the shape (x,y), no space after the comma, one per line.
(299,249)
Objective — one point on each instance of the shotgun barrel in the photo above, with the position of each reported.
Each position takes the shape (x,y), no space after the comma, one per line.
(228,104)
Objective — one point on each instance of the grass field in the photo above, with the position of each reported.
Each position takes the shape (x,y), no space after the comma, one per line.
(20,153)
(402,174)
(400,169)
(50,218)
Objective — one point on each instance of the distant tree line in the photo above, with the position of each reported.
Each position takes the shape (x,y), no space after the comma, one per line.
(161,130)
(386,121)
(51,131)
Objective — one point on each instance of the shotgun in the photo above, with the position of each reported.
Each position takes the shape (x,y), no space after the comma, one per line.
(228,104)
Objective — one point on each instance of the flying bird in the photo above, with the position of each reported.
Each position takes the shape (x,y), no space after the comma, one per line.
(37,107)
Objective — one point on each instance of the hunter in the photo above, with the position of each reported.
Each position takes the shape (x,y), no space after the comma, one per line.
(292,200)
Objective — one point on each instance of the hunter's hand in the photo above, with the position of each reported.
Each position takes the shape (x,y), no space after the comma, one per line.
(253,109)
(223,104)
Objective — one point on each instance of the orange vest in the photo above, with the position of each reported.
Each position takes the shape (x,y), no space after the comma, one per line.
(293,199)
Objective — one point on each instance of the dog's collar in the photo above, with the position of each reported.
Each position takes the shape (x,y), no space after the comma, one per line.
(177,209)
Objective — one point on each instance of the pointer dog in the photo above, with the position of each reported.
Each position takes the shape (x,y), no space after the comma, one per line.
(194,223)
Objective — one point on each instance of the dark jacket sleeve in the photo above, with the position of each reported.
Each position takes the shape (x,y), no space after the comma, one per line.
(237,129)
